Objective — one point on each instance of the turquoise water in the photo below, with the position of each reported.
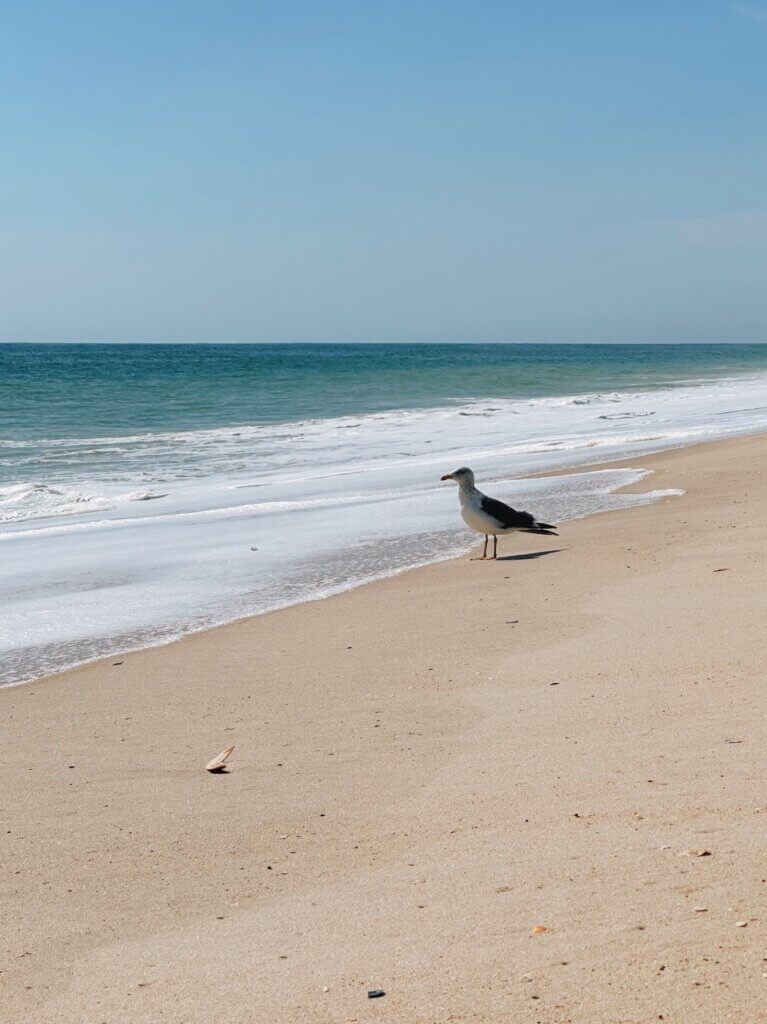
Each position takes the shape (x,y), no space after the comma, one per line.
(59,391)
(147,491)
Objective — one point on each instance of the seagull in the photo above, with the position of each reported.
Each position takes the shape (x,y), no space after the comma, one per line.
(488,516)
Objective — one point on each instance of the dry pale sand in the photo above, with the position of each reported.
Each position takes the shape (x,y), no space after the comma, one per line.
(425,769)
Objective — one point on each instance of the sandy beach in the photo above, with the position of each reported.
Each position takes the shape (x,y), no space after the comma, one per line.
(473,786)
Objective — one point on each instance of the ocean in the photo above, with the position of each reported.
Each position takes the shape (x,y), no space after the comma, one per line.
(150,490)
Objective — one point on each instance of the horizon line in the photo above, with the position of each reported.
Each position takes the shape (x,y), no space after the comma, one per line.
(382,343)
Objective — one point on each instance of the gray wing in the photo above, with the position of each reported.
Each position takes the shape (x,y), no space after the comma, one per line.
(507,516)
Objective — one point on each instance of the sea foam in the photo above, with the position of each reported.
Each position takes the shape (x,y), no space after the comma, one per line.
(114,543)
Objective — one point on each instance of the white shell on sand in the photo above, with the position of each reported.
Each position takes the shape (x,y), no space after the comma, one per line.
(218,762)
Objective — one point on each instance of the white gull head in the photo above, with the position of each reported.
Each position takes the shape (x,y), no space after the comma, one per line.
(464,477)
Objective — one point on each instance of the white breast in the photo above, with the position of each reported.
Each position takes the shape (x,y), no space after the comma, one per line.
(473,516)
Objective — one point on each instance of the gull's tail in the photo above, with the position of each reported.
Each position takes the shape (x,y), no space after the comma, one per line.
(543,528)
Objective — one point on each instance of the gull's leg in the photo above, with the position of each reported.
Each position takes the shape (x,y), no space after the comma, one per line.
(484,553)
(495,546)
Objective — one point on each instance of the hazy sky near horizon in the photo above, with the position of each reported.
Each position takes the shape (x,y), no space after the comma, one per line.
(409,170)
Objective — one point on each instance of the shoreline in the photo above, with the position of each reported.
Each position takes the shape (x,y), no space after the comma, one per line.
(328,506)
(634,487)
(428,770)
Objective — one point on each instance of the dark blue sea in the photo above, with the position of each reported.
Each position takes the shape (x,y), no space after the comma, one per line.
(60,391)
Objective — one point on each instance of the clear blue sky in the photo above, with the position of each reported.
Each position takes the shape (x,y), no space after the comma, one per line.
(395,171)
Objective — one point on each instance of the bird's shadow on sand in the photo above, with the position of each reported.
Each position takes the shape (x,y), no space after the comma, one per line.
(528,555)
